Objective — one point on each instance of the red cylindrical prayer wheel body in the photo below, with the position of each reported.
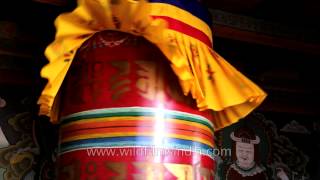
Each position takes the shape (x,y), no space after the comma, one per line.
(124,116)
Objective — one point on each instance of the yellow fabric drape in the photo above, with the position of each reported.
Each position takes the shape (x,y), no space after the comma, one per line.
(212,81)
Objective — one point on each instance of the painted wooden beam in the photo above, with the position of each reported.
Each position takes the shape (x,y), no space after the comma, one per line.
(257,38)
(257,31)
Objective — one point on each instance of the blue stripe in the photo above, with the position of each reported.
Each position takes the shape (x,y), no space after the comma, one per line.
(192,6)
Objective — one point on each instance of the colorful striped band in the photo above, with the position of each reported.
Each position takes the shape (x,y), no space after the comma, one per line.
(136,111)
(136,127)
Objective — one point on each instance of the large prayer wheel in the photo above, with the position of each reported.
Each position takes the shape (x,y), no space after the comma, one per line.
(124,116)
(143,90)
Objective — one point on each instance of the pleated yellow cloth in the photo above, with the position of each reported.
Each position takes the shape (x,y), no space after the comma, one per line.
(183,37)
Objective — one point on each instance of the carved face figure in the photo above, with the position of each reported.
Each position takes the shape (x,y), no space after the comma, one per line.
(245,154)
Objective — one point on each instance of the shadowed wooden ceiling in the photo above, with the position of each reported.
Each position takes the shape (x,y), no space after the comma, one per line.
(295,12)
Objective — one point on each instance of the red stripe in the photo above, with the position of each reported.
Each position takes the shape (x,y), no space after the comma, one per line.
(139,154)
(184,28)
(79,165)
(132,123)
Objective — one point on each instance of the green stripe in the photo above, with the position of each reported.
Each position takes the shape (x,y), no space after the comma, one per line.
(134,111)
